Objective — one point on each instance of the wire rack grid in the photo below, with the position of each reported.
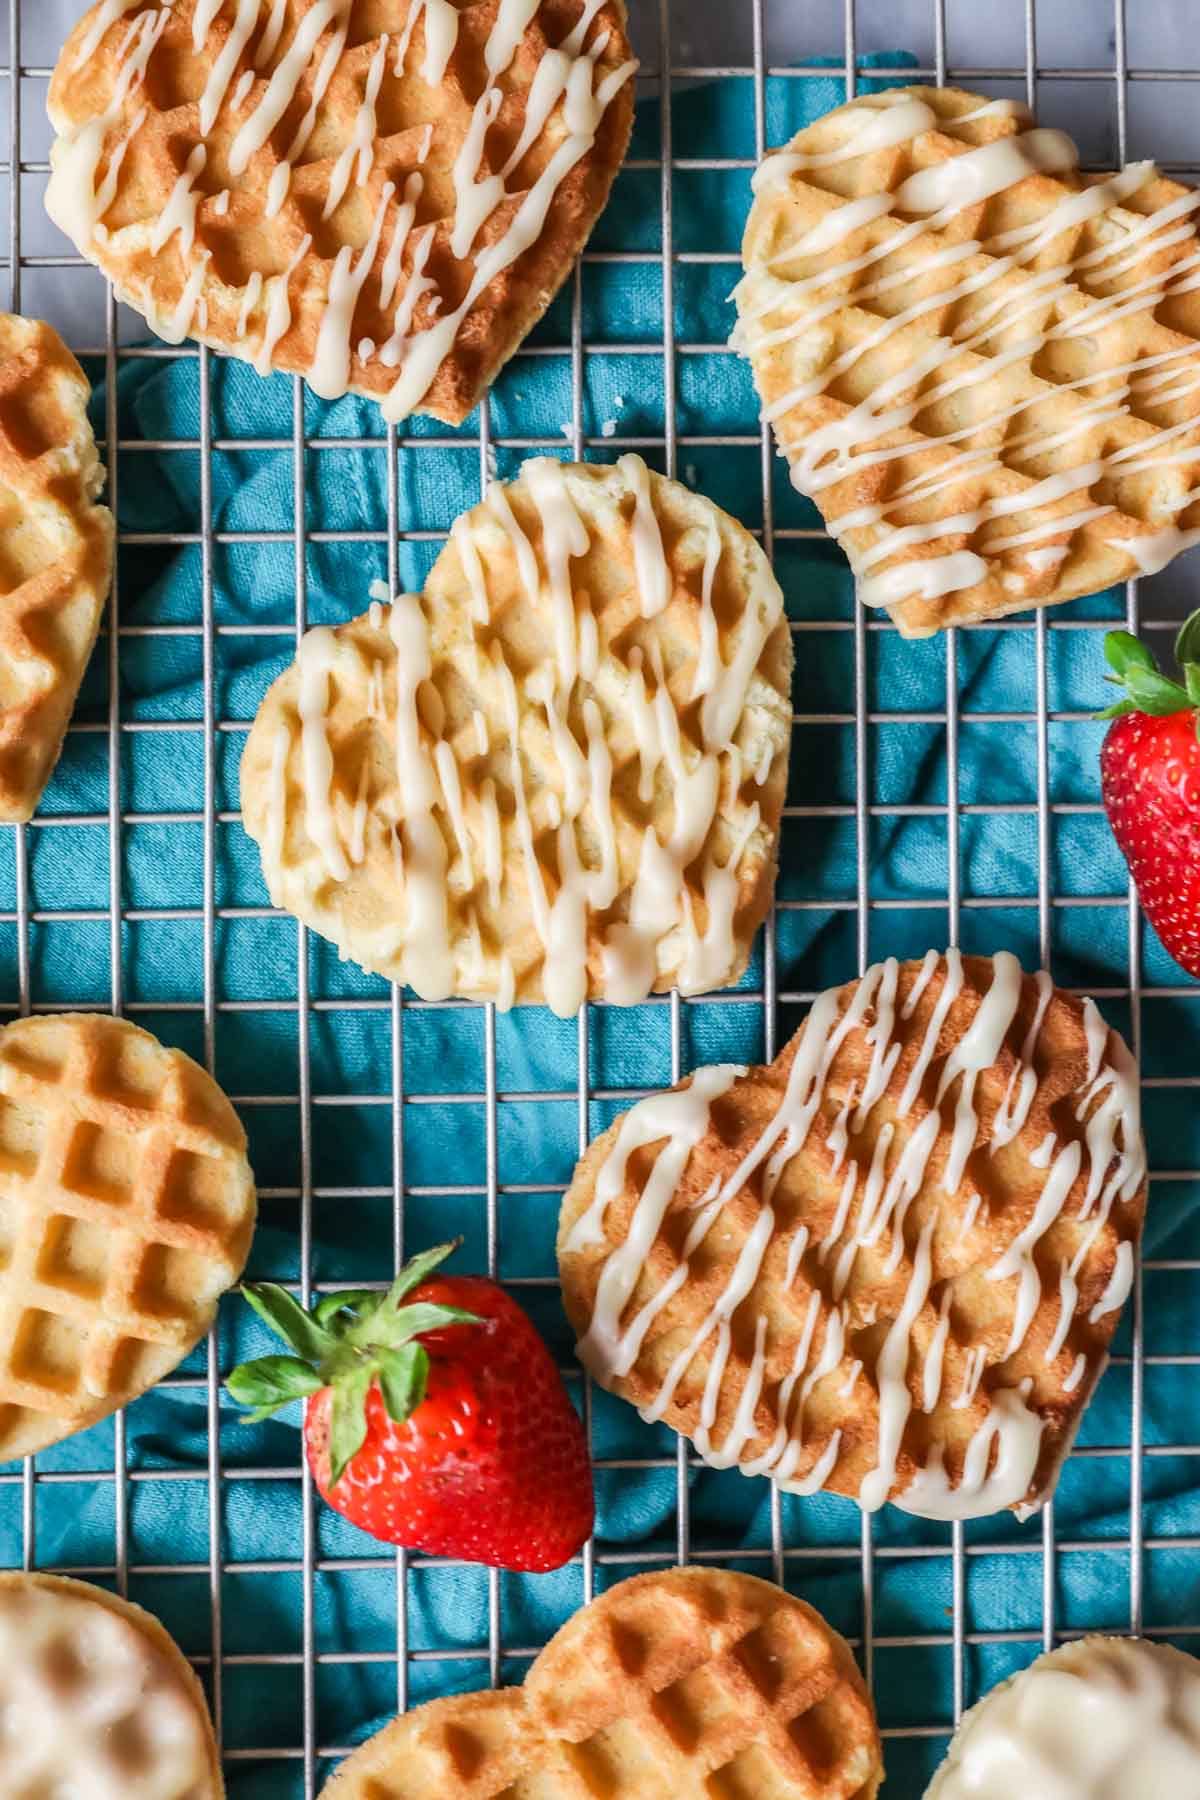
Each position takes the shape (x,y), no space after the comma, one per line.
(948,1644)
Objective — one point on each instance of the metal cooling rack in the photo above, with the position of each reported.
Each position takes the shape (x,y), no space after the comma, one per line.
(1099,92)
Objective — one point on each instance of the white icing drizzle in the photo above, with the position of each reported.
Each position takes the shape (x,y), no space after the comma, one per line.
(1040,1158)
(329,370)
(567,75)
(441,35)
(579,807)
(315,656)
(277,809)
(179,214)
(279,307)
(564,535)
(1119,1283)
(936,195)
(75,199)
(972,1375)
(1078,1370)
(1101,1719)
(427,350)
(796,1249)
(463,539)
(428,961)
(1002,1454)
(935,1356)
(1068,1300)
(649,559)
(1022,1086)
(359,152)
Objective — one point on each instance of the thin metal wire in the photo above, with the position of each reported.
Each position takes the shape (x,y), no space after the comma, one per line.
(396,1009)
(20,841)
(491,1127)
(770,933)
(683,1526)
(208,930)
(862,898)
(304,1069)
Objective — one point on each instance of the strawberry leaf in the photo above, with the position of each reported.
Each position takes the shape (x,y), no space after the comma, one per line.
(1154,693)
(392,1329)
(348,1418)
(271,1382)
(403,1375)
(1124,652)
(1121,708)
(414,1273)
(359,1301)
(1191,677)
(288,1319)
(1187,644)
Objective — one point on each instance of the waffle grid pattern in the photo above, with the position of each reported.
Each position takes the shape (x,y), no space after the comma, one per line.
(479,678)
(55,553)
(664,1688)
(1056,426)
(243,241)
(1111,85)
(119,1233)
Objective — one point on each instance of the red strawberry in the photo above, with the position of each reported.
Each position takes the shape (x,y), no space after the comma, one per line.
(440,1423)
(1150,779)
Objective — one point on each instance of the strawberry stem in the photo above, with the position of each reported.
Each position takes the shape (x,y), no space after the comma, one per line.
(346,1342)
(1146,689)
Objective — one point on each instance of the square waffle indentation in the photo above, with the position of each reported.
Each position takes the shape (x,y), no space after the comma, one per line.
(23,1056)
(125,1073)
(74,1255)
(101,1163)
(172,1283)
(48,1350)
(198,1190)
(22,1135)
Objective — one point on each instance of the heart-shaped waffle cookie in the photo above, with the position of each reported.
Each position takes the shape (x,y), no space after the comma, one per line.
(98,1698)
(126,1209)
(56,551)
(983,365)
(380,195)
(1098,1718)
(557,773)
(890,1263)
(686,1682)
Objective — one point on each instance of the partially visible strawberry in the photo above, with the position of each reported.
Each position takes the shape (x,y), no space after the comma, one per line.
(440,1423)
(1150,779)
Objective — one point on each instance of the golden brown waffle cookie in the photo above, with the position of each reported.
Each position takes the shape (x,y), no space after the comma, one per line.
(126,1209)
(687,1682)
(98,1698)
(983,365)
(56,550)
(1102,1718)
(890,1263)
(558,772)
(383,198)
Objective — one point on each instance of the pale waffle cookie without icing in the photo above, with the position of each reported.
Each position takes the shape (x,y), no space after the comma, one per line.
(56,552)
(556,774)
(97,1699)
(983,365)
(890,1263)
(380,195)
(126,1209)
(1103,1718)
(685,1682)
